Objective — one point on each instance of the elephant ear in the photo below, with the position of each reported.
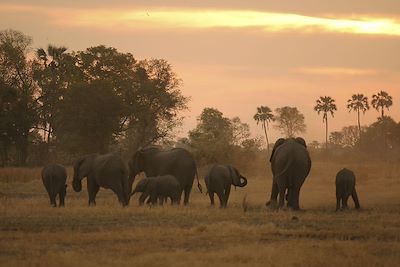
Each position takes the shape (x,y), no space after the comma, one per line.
(301,141)
(278,143)
(77,167)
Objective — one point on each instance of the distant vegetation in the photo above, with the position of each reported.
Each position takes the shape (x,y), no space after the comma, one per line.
(57,104)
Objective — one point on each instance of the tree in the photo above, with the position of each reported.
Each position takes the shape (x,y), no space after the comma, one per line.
(325,104)
(383,129)
(217,139)
(16,79)
(350,136)
(358,102)
(51,75)
(290,121)
(212,138)
(264,115)
(381,101)
(89,118)
(157,101)
(336,138)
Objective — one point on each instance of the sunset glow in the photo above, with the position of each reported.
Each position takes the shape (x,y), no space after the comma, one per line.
(237,55)
(266,21)
(134,18)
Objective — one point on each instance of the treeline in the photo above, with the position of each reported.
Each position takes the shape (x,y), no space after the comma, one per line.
(57,104)
(381,139)
(60,103)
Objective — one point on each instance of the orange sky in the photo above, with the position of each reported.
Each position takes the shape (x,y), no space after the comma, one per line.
(237,55)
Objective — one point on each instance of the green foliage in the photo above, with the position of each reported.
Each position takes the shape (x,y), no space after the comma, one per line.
(290,121)
(217,139)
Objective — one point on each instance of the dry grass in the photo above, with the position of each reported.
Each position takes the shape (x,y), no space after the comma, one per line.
(33,234)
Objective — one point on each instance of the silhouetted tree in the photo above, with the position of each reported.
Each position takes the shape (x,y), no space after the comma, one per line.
(216,138)
(16,80)
(289,121)
(51,75)
(264,115)
(381,101)
(89,118)
(336,138)
(350,136)
(325,104)
(358,102)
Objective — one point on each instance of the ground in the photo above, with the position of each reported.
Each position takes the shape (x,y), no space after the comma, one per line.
(245,234)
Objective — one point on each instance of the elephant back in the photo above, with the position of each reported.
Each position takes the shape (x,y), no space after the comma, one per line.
(177,162)
(291,158)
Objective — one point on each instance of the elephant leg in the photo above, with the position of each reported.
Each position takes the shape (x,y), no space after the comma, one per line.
(211,195)
(355,198)
(187,190)
(53,202)
(338,198)
(221,197)
(274,195)
(226,197)
(61,196)
(142,198)
(344,202)
(161,200)
(93,188)
(293,198)
(282,191)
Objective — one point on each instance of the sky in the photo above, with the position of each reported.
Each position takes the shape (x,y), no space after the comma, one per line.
(238,55)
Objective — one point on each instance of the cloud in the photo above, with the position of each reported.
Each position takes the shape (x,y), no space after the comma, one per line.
(155,18)
(336,71)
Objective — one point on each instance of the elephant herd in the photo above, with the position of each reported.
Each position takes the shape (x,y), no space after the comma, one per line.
(171,173)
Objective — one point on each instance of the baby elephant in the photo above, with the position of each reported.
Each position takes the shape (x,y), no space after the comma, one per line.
(159,188)
(346,186)
(219,180)
(54,177)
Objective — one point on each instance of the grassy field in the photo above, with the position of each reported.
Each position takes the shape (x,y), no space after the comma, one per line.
(34,234)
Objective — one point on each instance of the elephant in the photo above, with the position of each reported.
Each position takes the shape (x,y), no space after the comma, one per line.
(159,188)
(346,186)
(54,177)
(107,171)
(177,162)
(219,180)
(290,164)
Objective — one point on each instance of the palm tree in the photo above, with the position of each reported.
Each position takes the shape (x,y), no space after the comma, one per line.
(51,59)
(358,103)
(264,115)
(381,101)
(325,104)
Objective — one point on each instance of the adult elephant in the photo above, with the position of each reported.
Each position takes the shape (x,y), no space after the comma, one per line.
(177,162)
(290,164)
(107,171)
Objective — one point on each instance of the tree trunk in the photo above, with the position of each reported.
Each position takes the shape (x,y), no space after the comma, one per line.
(266,136)
(359,125)
(326,133)
(22,150)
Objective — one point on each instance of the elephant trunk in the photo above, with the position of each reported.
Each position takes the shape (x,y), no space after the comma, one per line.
(242,181)
(77,185)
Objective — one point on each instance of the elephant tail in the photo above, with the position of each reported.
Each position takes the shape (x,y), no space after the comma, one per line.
(198,183)
(286,172)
